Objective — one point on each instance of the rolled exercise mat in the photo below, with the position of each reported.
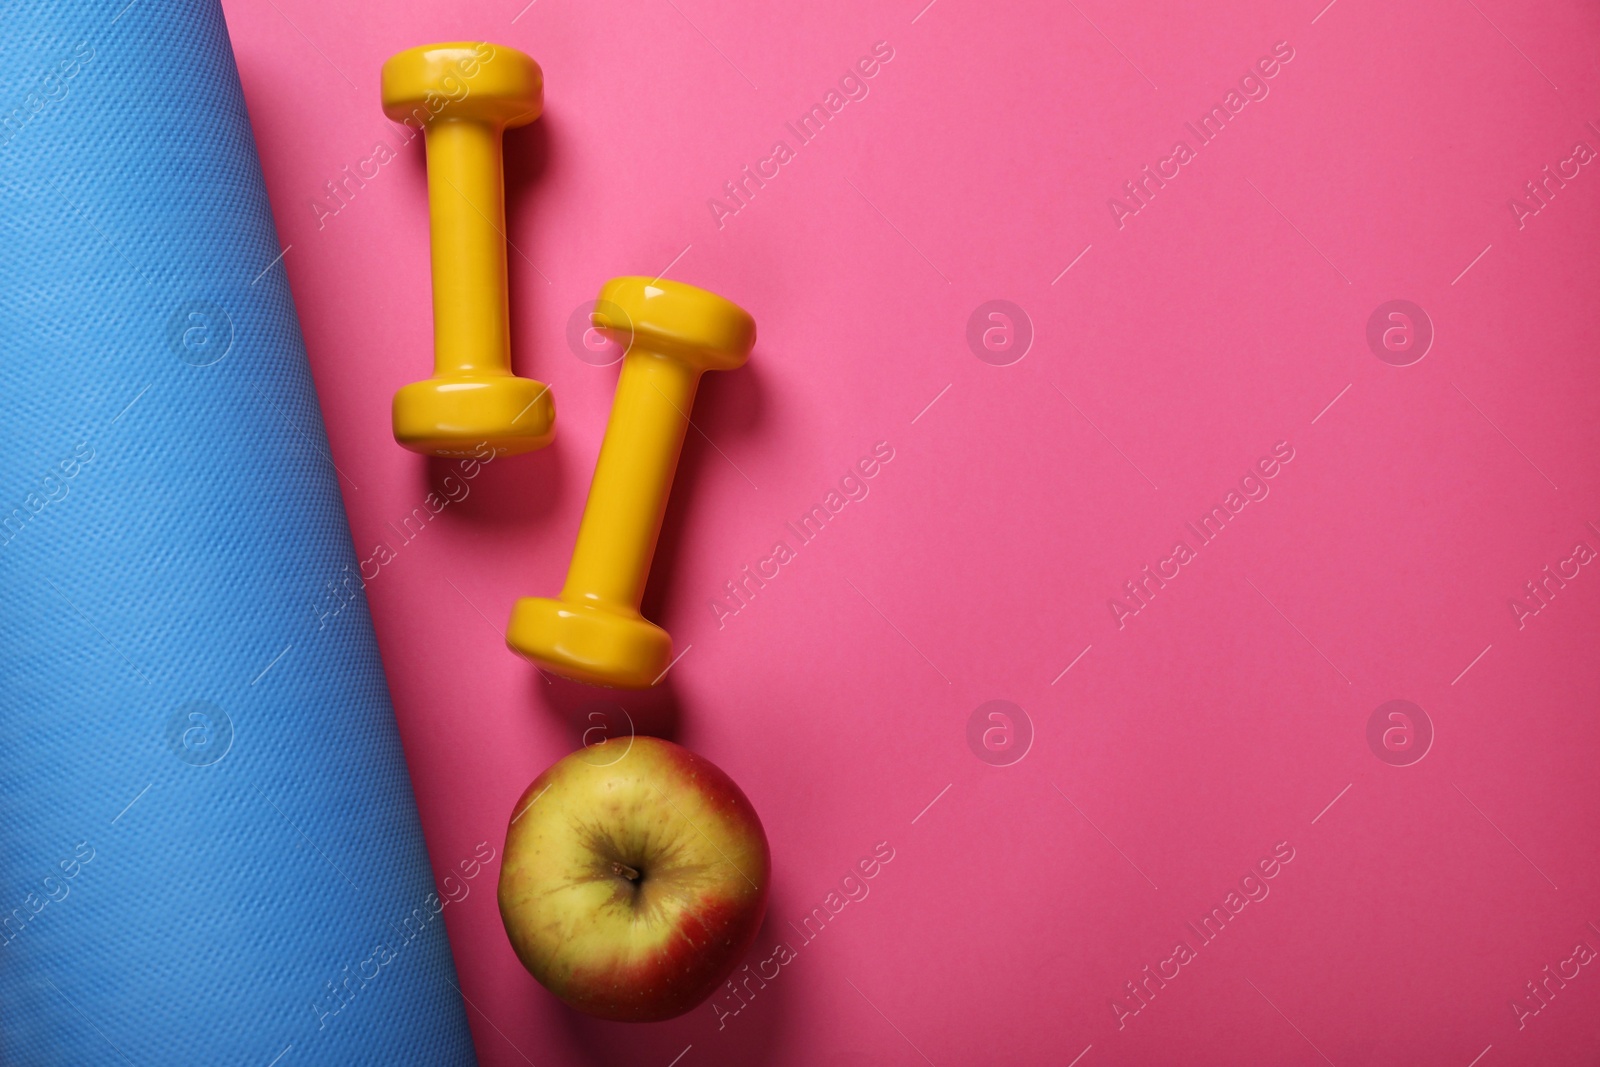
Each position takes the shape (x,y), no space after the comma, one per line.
(209,846)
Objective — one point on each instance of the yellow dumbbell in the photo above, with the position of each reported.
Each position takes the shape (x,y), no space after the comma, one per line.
(464,95)
(594,632)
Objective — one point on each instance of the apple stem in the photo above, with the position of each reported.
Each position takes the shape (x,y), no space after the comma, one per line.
(625,871)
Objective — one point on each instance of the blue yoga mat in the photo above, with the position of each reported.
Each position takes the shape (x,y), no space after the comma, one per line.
(209,846)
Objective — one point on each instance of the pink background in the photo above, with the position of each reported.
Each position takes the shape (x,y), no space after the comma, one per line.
(1223,718)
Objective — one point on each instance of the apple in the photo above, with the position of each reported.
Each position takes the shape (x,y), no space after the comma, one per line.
(634,878)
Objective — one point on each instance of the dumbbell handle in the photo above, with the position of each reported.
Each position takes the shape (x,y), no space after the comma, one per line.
(632,480)
(466,214)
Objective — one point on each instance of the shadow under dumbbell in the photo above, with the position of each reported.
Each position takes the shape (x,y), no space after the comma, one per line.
(526,151)
(527,156)
(517,492)
(727,411)
(597,715)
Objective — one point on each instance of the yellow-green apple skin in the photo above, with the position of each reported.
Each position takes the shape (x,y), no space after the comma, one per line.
(634,879)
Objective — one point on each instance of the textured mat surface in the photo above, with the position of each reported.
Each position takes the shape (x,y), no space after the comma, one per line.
(209,846)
